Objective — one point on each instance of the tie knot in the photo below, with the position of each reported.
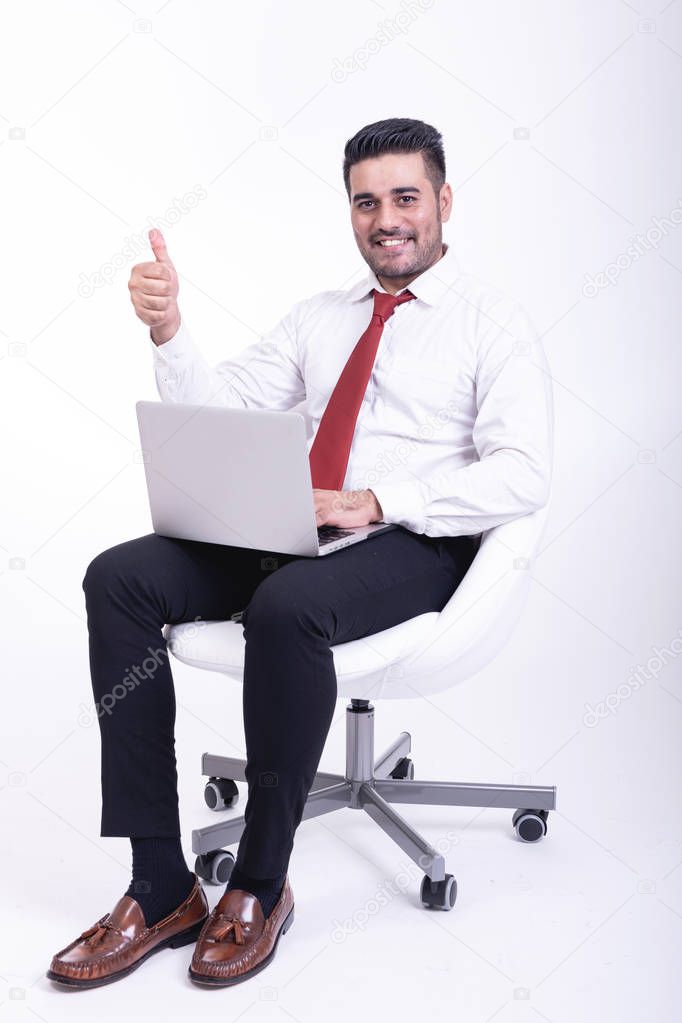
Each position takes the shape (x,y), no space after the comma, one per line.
(384,304)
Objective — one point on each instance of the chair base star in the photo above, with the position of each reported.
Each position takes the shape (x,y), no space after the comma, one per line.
(371,784)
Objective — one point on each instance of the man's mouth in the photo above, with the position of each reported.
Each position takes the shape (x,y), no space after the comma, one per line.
(394,244)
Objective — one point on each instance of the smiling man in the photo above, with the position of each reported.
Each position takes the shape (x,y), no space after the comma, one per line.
(431,408)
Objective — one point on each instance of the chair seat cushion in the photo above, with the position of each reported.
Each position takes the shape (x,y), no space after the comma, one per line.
(220,646)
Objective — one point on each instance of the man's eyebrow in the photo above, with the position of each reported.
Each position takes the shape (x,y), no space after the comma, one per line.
(394,191)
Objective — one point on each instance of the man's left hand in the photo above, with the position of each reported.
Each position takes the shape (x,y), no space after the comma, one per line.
(346,507)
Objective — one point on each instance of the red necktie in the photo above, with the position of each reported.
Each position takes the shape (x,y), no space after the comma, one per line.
(331,447)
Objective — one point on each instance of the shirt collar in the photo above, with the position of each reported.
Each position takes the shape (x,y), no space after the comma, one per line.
(430,286)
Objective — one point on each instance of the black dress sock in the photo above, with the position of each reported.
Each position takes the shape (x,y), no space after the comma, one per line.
(267,890)
(161,879)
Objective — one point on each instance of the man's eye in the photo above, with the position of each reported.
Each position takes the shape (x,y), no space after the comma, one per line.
(411,198)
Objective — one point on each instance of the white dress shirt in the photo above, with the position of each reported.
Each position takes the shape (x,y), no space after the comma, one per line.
(455,431)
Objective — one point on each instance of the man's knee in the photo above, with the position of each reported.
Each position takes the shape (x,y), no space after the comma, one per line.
(278,603)
(102,570)
(117,563)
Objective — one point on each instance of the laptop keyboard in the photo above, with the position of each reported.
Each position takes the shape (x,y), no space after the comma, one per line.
(325,534)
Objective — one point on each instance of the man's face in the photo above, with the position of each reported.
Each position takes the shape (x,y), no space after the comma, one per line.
(392,198)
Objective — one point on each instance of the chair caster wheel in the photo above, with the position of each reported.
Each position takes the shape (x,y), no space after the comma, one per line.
(403,769)
(220,793)
(530,825)
(439,894)
(214,867)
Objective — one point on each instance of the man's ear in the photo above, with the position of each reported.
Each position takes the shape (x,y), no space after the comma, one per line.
(445,201)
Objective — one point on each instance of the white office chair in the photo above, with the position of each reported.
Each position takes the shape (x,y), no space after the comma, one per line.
(423,655)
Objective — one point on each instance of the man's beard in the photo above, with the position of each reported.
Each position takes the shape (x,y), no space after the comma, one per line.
(422,255)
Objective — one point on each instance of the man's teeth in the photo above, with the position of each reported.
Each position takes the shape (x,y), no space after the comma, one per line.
(394,241)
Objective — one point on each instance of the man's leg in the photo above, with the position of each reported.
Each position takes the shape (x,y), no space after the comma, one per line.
(292,620)
(131,591)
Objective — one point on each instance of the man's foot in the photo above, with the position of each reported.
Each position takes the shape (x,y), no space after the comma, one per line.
(161,877)
(120,941)
(267,890)
(237,940)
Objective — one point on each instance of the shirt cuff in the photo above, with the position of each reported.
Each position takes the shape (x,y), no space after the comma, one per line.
(402,504)
(174,350)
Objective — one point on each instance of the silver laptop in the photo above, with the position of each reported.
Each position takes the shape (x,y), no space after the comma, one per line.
(239,477)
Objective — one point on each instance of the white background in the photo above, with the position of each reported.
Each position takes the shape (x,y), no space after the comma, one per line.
(561,129)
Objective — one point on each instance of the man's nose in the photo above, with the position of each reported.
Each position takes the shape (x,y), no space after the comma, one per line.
(387,222)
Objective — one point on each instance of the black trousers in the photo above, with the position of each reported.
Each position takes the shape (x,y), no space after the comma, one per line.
(295,609)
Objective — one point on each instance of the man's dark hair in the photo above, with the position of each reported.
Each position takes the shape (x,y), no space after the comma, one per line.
(397,135)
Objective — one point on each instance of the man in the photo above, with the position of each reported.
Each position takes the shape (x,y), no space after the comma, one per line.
(437,419)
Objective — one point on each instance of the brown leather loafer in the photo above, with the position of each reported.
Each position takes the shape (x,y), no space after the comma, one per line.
(120,941)
(237,941)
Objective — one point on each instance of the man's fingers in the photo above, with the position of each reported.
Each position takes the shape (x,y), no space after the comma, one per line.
(151,304)
(154,271)
(159,287)
(158,244)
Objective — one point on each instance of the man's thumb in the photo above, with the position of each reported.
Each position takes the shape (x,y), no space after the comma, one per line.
(156,240)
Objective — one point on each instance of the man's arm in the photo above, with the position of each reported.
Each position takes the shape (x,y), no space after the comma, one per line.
(264,375)
(513,435)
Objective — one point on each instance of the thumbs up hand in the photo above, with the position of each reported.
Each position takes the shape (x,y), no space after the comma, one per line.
(154,289)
